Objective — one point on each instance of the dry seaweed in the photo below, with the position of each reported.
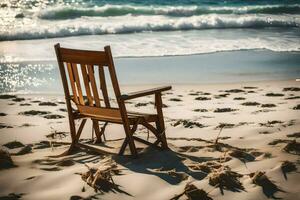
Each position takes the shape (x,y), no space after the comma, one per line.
(234,91)
(269,188)
(274,94)
(296,135)
(34,112)
(292,147)
(241,155)
(268,105)
(250,103)
(294,89)
(226,179)
(202,98)
(219,110)
(5,159)
(101,178)
(297,107)
(47,104)
(239,98)
(193,193)
(13,144)
(188,124)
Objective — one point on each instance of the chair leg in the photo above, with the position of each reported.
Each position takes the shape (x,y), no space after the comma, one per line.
(128,140)
(97,131)
(161,132)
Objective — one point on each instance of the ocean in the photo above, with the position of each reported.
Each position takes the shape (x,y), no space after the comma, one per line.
(151,28)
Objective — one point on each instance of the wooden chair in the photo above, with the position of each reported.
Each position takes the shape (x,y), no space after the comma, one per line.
(89,105)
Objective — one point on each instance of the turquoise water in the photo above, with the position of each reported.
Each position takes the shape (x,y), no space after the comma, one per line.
(142,32)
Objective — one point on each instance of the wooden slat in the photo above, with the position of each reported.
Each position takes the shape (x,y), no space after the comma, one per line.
(83,56)
(77,81)
(103,86)
(109,112)
(87,84)
(72,82)
(94,85)
(145,92)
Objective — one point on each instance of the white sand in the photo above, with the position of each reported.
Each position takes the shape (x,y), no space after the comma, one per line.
(141,179)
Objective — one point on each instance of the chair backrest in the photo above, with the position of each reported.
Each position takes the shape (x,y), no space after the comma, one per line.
(79,67)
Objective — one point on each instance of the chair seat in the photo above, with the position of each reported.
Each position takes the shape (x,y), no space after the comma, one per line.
(113,115)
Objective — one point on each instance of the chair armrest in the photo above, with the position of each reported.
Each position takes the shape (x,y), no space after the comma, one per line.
(144,93)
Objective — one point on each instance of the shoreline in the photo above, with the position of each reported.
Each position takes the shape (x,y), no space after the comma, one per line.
(221,67)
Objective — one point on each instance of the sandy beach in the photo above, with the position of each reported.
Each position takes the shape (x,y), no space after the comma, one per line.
(243,130)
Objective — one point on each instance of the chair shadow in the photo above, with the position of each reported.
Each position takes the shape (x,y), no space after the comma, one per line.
(151,160)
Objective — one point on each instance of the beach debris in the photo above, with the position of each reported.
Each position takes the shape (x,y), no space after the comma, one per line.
(221,95)
(274,94)
(13,144)
(188,124)
(292,147)
(63,110)
(202,98)
(200,110)
(2,125)
(239,98)
(25,104)
(241,155)
(18,99)
(7,96)
(35,101)
(34,112)
(189,149)
(57,134)
(141,104)
(271,123)
(175,99)
(5,159)
(12,196)
(263,110)
(101,178)
(293,97)
(297,107)
(265,132)
(53,116)
(219,110)
(2,114)
(294,89)
(47,103)
(250,87)
(24,150)
(178,175)
(26,125)
(288,166)
(224,178)
(193,193)
(250,103)
(225,125)
(269,188)
(251,91)
(66,162)
(234,91)
(296,135)
(20,15)
(268,105)
(206,167)
(268,155)
(278,141)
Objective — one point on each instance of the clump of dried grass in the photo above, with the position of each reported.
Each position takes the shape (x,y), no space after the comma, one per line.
(288,166)
(224,178)
(5,159)
(178,175)
(101,178)
(260,178)
(206,167)
(193,193)
(292,147)
(241,155)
